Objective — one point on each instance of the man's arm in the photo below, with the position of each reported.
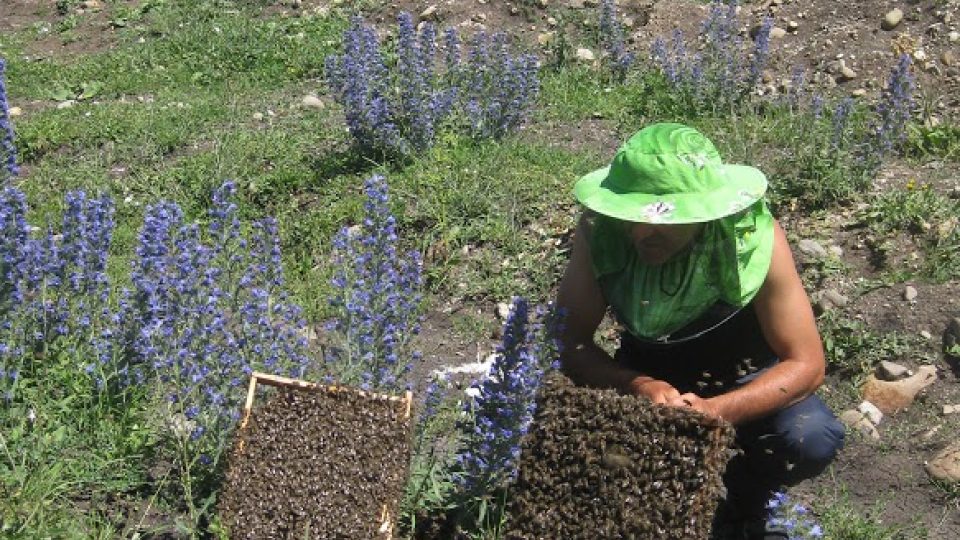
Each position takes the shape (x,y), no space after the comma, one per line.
(583,361)
(788,325)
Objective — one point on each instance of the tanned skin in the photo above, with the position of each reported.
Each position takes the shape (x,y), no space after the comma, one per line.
(782,307)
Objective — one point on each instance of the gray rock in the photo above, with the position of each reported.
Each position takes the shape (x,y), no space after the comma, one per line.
(892,371)
(585,55)
(429,13)
(947,58)
(793,26)
(871,412)
(909,293)
(503,310)
(312,102)
(854,419)
(953,36)
(951,409)
(15,111)
(776,32)
(834,297)
(892,19)
(812,248)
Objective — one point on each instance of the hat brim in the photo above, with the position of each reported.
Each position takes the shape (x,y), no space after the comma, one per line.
(744,185)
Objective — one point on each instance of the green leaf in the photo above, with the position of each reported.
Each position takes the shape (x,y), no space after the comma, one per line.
(61,94)
(90,89)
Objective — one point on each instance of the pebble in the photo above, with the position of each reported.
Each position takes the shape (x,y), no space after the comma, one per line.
(859,92)
(953,36)
(312,101)
(871,412)
(428,13)
(846,73)
(909,293)
(947,58)
(793,26)
(812,248)
(15,111)
(925,335)
(258,116)
(951,409)
(776,32)
(585,55)
(503,310)
(857,420)
(892,19)
(834,297)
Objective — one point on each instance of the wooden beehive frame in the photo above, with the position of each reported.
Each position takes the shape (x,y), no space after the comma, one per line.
(405,402)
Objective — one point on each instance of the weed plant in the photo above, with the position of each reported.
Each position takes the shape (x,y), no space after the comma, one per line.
(615,59)
(395,107)
(500,413)
(377,296)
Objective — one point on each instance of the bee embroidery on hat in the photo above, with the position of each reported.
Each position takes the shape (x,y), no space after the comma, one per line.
(657,212)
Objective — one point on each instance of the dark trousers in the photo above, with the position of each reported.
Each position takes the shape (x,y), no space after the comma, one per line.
(790,445)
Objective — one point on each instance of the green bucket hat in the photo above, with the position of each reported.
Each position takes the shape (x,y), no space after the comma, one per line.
(670,174)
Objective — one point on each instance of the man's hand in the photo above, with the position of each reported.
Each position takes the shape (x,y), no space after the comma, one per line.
(696,403)
(655,390)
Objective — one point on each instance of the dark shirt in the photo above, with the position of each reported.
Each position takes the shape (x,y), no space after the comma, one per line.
(707,356)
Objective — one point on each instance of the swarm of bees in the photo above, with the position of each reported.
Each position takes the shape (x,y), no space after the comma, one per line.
(597,464)
(315,464)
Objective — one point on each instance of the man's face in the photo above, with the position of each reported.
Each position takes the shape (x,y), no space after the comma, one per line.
(657,244)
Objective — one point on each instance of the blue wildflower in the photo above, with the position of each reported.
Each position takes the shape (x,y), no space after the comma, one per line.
(8,150)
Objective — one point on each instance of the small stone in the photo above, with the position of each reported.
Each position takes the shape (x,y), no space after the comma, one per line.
(258,116)
(857,420)
(834,297)
(585,55)
(945,465)
(909,293)
(776,32)
(846,73)
(812,248)
(15,111)
(543,3)
(953,36)
(920,55)
(503,310)
(66,104)
(947,58)
(551,21)
(312,101)
(892,19)
(836,251)
(429,13)
(591,3)
(793,26)
(859,92)
(894,396)
(479,17)
(871,412)
(91,5)
(925,334)
(892,371)
(951,409)
(546,38)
